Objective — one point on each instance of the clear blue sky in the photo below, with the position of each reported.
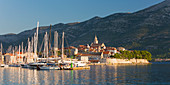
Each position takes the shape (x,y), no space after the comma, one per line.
(19,15)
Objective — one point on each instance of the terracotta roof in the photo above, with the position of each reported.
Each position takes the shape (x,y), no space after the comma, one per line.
(91,49)
(18,52)
(78,53)
(9,54)
(121,48)
(81,54)
(82,46)
(90,55)
(107,52)
(101,50)
(71,47)
(111,48)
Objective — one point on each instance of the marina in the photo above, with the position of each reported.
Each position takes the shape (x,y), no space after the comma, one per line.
(30,58)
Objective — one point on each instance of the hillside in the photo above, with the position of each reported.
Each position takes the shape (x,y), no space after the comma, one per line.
(147,29)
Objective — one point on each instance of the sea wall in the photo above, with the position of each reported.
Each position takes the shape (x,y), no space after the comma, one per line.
(126,61)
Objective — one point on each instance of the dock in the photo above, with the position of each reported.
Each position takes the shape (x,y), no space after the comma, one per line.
(78,68)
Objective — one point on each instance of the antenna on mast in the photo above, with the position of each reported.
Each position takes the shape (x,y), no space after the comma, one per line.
(37,30)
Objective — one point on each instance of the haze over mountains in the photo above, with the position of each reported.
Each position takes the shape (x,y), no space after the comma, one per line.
(147,29)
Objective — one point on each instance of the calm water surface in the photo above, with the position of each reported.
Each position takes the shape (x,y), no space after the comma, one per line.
(122,74)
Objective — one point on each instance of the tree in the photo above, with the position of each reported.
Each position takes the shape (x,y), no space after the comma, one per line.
(134,54)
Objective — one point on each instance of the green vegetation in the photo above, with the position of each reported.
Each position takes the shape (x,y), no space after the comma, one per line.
(133,54)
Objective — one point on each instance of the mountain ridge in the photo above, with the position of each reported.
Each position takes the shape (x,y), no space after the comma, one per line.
(147,29)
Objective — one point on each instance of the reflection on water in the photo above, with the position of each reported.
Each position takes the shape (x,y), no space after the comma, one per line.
(112,74)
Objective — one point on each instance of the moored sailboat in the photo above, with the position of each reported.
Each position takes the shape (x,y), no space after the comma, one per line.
(48,66)
(3,64)
(33,63)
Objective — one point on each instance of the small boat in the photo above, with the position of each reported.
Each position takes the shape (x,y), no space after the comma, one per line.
(34,65)
(79,63)
(4,65)
(75,66)
(25,66)
(66,66)
(14,65)
(48,67)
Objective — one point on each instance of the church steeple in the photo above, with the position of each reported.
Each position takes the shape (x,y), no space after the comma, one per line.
(95,40)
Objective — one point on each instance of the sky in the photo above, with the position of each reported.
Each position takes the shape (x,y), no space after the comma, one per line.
(20,15)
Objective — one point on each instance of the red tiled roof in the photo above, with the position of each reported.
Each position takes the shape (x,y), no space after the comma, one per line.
(90,54)
(18,52)
(9,54)
(82,46)
(81,54)
(107,52)
(101,50)
(71,47)
(91,49)
(110,48)
(78,53)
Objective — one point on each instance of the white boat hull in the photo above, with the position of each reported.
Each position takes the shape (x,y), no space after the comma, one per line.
(48,68)
(6,66)
(3,65)
(35,65)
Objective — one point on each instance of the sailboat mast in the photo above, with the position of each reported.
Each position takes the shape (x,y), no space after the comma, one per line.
(19,53)
(37,30)
(22,50)
(46,45)
(1,48)
(36,42)
(1,53)
(62,46)
(28,54)
(32,44)
(56,44)
(13,51)
(13,55)
(35,46)
(50,38)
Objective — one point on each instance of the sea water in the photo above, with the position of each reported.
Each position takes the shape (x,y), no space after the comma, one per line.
(156,73)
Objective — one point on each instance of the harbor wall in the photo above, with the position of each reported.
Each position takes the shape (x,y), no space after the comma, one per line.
(125,61)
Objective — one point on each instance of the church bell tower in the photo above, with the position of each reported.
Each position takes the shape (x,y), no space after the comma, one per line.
(95,40)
